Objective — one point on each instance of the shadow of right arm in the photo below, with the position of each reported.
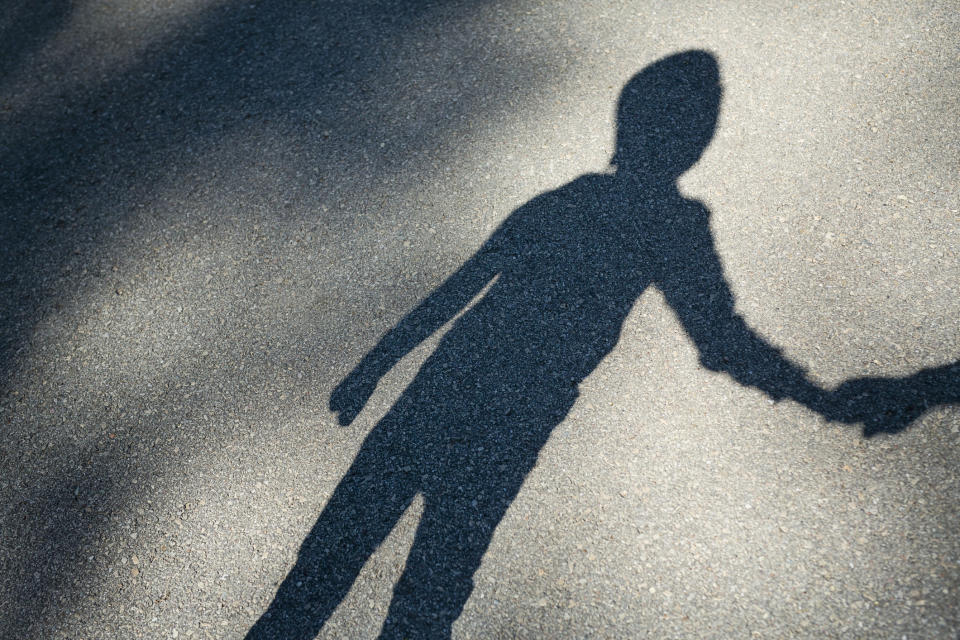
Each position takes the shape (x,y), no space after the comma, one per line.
(693,283)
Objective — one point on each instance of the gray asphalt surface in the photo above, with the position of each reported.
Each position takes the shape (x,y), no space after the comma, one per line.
(211,211)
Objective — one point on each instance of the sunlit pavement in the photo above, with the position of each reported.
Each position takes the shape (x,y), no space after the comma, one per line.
(211,211)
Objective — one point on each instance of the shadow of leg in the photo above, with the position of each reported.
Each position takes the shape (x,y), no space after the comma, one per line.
(363,510)
(451,540)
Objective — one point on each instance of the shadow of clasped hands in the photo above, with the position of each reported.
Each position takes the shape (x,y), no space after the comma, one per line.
(890,405)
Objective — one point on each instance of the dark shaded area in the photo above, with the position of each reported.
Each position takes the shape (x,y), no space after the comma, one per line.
(71,167)
(563,273)
(76,166)
(24,26)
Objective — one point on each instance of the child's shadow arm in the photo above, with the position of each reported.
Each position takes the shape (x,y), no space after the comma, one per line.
(694,285)
(693,282)
(456,292)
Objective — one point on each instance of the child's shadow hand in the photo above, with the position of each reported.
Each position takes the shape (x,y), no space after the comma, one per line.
(351,395)
(890,405)
(880,404)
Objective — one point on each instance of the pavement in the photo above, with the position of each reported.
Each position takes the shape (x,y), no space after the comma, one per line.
(226,229)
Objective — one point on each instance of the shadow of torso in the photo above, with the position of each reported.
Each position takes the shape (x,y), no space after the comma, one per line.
(566,269)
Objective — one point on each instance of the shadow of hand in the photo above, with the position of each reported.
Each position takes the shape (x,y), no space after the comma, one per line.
(883,405)
(890,405)
(351,395)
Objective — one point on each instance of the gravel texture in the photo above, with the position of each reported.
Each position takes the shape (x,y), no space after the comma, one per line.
(233,358)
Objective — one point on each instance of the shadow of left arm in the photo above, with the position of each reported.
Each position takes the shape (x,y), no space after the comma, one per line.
(456,292)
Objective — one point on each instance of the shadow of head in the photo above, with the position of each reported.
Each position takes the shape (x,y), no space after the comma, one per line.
(667,115)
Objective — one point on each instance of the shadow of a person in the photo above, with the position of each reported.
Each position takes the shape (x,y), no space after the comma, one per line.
(566,268)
